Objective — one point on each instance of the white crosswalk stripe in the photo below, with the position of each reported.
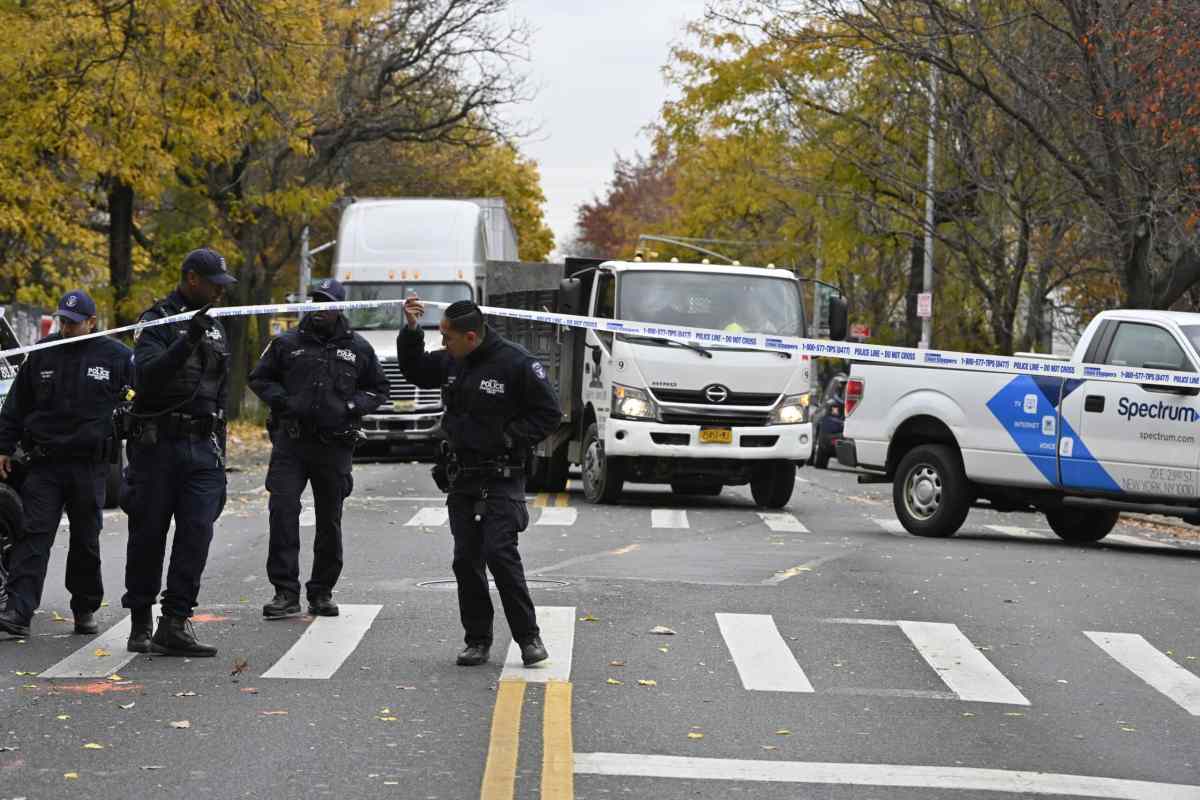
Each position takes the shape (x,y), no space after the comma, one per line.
(891,526)
(557,624)
(325,644)
(1155,668)
(783,522)
(668,518)
(959,664)
(430,516)
(764,661)
(100,657)
(553,515)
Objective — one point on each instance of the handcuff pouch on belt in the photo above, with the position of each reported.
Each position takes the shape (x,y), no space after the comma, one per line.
(450,469)
(291,427)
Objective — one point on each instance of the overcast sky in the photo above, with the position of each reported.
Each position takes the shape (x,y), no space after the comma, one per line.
(597,68)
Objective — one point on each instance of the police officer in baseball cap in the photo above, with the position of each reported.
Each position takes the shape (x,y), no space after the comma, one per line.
(60,411)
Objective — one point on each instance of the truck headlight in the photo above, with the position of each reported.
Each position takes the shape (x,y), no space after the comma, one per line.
(792,411)
(630,403)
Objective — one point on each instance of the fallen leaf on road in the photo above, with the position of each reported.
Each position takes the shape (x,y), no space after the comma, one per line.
(647,682)
(239,666)
(182,724)
(273,713)
(694,735)
(783,732)
(6,749)
(71,776)
(127,706)
(57,617)
(588,618)
(249,690)
(151,766)
(616,663)
(185,694)
(1129,729)
(968,714)
(769,747)
(63,717)
(1014,713)
(101,653)
(664,649)
(93,746)
(662,630)
(26,673)
(115,677)
(407,688)
(615,682)
(388,719)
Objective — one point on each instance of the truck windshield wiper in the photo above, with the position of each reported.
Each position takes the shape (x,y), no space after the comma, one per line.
(697,348)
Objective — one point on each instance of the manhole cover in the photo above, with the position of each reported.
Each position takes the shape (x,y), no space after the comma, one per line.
(534,583)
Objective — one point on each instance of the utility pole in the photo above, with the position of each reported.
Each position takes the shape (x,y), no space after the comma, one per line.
(930,175)
(305,265)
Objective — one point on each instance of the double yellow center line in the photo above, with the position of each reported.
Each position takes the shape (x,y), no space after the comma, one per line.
(558,749)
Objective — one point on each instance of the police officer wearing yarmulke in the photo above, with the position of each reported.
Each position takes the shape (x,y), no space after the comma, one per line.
(318,381)
(498,406)
(60,410)
(176,456)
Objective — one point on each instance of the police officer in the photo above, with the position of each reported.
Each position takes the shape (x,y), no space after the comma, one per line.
(60,410)
(498,405)
(318,380)
(176,456)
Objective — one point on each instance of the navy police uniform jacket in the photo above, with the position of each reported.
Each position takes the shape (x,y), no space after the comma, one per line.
(497,392)
(63,397)
(174,375)
(318,375)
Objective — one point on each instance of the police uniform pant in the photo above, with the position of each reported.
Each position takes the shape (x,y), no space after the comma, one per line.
(183,479)
(295,462)
(49,488)
(490,542)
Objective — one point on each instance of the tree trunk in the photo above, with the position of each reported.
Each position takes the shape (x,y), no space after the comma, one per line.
(238,329)
(120,248)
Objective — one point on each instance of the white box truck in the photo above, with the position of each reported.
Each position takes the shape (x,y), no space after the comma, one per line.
(387,247)
(1080,451)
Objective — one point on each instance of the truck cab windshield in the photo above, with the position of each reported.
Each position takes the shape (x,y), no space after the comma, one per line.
(724,302)
(391,317)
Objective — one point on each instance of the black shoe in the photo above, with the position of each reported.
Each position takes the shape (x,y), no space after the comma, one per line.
(533,651)
(13,623)
(85,623)
(322,605)
(474,655)
(141,628)
(175,637)
(285,604)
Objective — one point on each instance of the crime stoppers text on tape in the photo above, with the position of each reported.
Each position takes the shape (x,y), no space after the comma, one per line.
(816,348)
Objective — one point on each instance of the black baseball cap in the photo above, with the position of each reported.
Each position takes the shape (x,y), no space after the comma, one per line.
(327,289)
(76,306)
(208,264)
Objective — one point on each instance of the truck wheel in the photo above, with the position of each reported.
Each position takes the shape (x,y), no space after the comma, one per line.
(930,491)
(772,484)
(702,489)
(603,477)
(112,485)
(1082,524)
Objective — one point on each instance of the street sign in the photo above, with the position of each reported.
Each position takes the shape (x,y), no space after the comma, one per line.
(925,305)
(860,332)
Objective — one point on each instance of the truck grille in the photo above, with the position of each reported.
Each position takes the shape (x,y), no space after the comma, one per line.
(729,419)
(400,389)
(696,397)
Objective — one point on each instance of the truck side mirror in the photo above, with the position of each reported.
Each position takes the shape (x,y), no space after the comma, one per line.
(839,314)
(570,296)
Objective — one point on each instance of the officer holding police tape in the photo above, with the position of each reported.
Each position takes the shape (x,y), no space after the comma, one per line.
(60,410)
(176,456)
(498,406)
(319,380)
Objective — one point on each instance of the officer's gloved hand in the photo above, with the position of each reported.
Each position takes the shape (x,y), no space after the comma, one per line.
(199,324)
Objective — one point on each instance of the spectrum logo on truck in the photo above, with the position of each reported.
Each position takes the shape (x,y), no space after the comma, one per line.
(1132,409)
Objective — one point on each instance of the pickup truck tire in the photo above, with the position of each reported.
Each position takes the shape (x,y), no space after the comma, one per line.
(773,483)
(603,477)
(1082,524)
(930,491)
(703,489)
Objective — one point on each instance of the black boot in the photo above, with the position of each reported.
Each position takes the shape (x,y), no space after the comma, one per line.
(285,604)
(13,623)
(141,628)
(474,655)
(175,637)
(322,605)
(85,623)
(533,651)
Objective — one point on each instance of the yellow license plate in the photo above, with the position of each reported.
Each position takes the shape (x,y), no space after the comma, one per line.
(400,406)
(716,436)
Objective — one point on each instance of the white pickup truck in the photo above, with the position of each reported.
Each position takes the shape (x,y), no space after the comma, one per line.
(1081,451)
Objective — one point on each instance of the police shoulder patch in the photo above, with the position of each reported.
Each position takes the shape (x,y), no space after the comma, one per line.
(538,370)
